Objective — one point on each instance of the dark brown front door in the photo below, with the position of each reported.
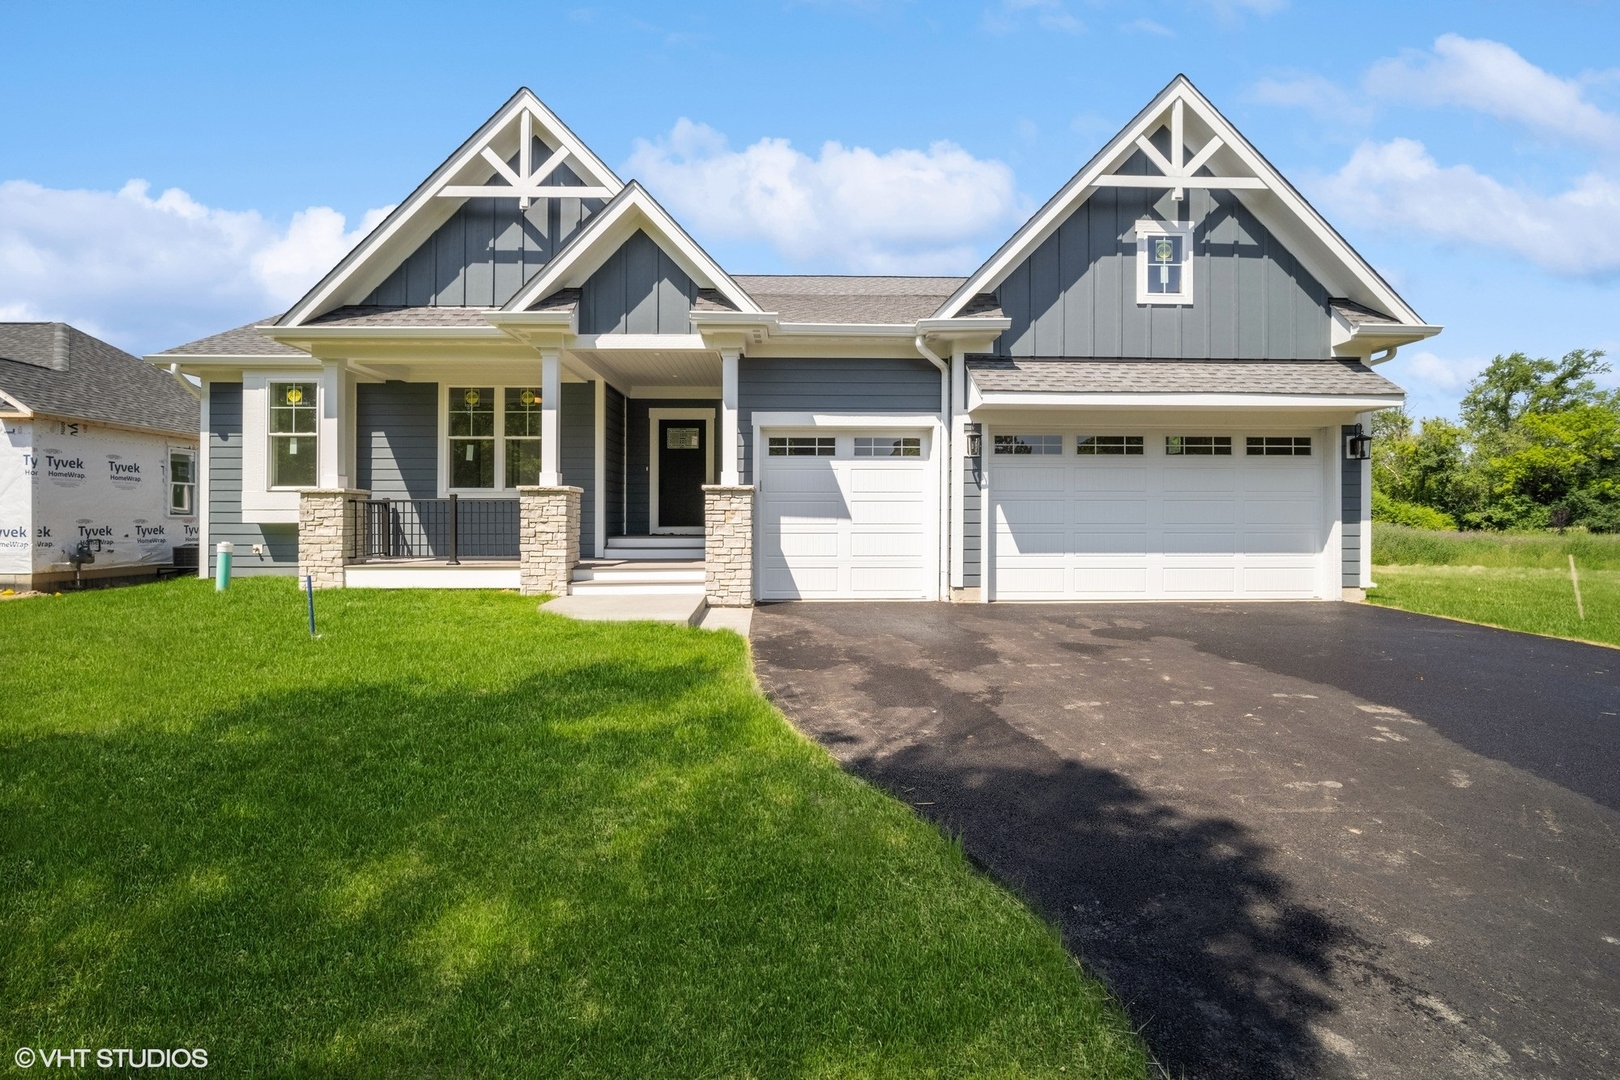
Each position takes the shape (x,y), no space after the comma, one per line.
(683,458)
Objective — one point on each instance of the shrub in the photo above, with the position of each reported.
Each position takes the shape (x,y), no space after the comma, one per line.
(1413,515)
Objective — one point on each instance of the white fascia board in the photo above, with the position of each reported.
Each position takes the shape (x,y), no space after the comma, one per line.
(1046,220)
(727,319)
(853,330)
(640,342)
(964,326)
(844,420)
(632,209)
(1004,399)
(424,201)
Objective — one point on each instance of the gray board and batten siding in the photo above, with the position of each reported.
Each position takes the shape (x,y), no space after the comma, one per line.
(225,495)
(1350,508)
(488,248)
(614,431)
(639,290)
(885,386)
(1075,296)
(578,464)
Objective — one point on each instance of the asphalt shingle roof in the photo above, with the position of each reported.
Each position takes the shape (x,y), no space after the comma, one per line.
(381,315)
(841,299)
(242,341)
(52,368)
(1094,376)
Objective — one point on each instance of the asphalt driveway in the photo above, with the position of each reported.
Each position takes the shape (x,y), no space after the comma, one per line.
(1297,839)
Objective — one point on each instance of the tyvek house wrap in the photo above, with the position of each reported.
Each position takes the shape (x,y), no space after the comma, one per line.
(67,482)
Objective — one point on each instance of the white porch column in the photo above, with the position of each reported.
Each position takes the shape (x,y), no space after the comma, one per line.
(730,475)
(550,418)
(957,449)
(332,426)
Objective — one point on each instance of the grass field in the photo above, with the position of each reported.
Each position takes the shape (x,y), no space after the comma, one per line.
(1519,581)
(456,837)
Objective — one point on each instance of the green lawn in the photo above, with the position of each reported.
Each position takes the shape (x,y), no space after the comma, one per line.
(457,837)
(1536,601)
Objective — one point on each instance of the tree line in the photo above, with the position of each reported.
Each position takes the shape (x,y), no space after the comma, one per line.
(1537,446)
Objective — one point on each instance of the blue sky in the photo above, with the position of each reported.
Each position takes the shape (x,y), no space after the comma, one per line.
(1470,151)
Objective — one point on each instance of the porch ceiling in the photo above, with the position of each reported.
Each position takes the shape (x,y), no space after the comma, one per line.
(627,368)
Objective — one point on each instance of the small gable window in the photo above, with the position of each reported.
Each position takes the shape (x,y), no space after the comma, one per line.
(1164,266)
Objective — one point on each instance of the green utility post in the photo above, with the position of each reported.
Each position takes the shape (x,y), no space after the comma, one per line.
(222,566)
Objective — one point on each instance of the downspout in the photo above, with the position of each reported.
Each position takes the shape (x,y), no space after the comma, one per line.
(945,452)
(194,391)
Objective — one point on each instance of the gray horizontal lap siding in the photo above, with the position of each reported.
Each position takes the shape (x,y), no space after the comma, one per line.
(843,385)
(638,435)
(1076,293)
(1350,507)
(225,496)
(639,290)
(972,553)
(488,249)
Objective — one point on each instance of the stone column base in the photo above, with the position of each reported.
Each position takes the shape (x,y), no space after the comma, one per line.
(548,539)
(326,528)
(728,544)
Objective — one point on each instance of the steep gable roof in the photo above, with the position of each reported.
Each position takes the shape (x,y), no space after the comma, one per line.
(465,174)
(631,210)
(56,370)
(1242,168)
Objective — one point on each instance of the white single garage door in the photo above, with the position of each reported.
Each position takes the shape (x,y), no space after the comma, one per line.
(846,516)
(1156,516)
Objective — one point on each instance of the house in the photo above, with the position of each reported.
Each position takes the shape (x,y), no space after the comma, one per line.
(98,459)
(529,375)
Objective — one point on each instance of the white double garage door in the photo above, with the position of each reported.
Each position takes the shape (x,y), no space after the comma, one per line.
(847,514)
(1156,526)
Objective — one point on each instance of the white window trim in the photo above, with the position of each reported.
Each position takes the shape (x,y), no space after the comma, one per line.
(509,491)
(262,504)
(168,477)
(1147,228)
(653,416)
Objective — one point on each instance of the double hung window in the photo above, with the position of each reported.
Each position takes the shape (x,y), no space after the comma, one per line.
(182,483)
(494,437)
(292,434)
(1164,265)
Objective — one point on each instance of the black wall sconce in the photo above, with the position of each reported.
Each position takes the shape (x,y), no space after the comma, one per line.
(975,440)
(1358,447)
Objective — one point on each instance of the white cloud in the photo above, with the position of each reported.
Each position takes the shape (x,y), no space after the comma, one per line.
(148,272)
(1449,375)
(1322,97)
(1147,26)
(1010,15)
(1231,9)
(851,208)
(1492,78)
(1399,186)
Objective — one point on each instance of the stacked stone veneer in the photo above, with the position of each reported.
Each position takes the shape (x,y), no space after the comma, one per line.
(548,538)
(326,525)
(728,545)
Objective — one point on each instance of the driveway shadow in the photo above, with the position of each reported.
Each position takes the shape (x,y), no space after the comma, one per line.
(1223,967)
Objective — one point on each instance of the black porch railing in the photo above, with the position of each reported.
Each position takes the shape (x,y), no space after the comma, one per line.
(451,529)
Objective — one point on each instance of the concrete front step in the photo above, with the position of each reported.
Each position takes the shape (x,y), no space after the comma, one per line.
(664,570)
(654,547)
(653,554)
(638,588)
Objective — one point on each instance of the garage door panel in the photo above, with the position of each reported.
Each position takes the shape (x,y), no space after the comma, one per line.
(842,527)
(1031,478)
(1157,526)
(1093,511)
(1199,511)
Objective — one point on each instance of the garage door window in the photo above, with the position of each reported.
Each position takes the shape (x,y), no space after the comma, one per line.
(1198,445)
(802,446)
(1278,445)
(1108,445)
(888,446)
(1029,444)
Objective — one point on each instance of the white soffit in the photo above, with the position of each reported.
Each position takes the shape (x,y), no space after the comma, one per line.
(426,208)
(1238,167)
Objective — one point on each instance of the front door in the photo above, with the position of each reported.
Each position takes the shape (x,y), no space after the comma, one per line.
(683,461)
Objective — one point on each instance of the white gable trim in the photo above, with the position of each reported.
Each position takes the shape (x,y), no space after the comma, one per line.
(631,210)
(424,210)
(1265,192)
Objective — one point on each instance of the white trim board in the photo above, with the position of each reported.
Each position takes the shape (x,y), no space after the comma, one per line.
(653,416)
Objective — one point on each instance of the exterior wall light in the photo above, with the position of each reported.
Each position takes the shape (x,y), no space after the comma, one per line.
(1358,447)
(975,440)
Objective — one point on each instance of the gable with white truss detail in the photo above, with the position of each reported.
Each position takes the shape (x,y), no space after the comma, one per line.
(1204,152)
(520,158)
